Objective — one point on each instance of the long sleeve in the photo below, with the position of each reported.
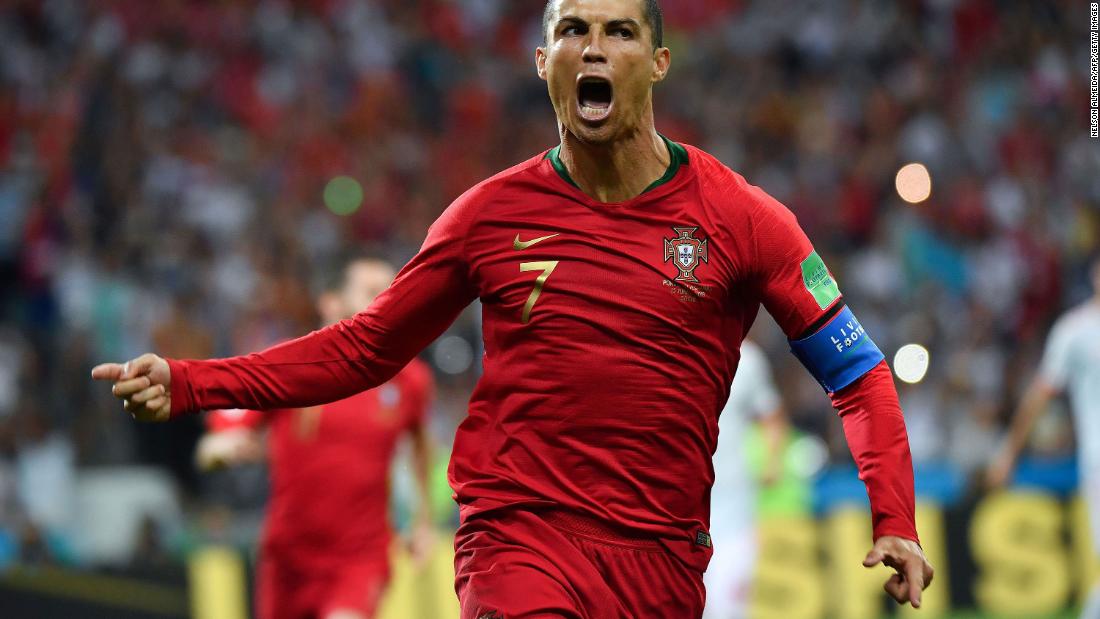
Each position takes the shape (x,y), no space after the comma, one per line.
(875,429)
(351,356)
(800,293)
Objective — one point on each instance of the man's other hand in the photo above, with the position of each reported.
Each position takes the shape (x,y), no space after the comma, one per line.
(1000,471)
(914,573)
(231,447)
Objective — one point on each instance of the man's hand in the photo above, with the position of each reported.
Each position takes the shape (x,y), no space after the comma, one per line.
(142,384)
(914,573)
(422,542)
(230,447)
(1000,471)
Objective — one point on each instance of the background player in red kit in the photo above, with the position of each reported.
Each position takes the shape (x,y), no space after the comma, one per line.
(326,541)
(618,274)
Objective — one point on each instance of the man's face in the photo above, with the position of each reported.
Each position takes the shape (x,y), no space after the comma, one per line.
(600,66)
(364,280)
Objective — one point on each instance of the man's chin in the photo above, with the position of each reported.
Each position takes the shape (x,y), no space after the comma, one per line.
(593,135)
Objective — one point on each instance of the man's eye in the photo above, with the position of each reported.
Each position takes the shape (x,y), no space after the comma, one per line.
(570,30)
(622,32)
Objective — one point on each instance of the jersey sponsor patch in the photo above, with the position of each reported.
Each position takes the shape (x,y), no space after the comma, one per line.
(839,353)
(702,538)
(816,278)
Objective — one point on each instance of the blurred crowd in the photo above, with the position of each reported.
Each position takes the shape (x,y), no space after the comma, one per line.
(162,167)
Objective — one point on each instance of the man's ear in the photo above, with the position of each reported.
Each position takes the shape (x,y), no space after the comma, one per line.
(662,59)
(540,62)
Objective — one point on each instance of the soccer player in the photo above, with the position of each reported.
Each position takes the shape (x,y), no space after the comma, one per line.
(753,398)
(1071,362)
(326,540)
(617,273)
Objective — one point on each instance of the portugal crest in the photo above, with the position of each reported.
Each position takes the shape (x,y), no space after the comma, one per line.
(688,251)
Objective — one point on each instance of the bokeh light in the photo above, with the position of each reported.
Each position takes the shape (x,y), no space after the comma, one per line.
(343,195)
(914,183)
(911,363)
(453,354)
(807,456)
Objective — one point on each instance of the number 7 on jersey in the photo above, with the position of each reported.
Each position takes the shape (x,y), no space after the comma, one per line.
(547,267)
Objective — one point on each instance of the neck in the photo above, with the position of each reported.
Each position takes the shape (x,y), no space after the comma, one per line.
(617,171)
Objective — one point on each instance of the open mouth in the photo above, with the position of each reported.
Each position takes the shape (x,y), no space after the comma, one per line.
(594,97)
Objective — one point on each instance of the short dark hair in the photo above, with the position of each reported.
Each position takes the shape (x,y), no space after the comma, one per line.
(651,12)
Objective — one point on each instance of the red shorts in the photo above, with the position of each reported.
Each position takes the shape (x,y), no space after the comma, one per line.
(555,565)
(287,591)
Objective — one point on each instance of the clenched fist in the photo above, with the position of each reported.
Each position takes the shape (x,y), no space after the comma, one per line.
(142,384)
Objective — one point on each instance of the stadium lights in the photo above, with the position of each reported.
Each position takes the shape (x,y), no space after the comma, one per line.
(343,195)
(808,455)
(911,363)
(914,183)
(453,355)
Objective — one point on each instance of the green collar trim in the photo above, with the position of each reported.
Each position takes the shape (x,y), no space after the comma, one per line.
(677,153)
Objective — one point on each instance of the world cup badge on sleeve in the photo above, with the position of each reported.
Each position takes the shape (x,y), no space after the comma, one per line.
(688,252)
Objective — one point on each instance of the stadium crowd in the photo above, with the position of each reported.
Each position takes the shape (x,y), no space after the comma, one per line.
(162,167)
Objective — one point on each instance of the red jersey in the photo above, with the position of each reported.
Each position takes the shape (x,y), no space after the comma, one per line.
(330,468)
(611,335)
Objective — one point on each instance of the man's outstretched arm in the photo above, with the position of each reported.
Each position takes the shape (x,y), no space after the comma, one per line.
(326,365)
(875,430)
(800,293)
(1035,402)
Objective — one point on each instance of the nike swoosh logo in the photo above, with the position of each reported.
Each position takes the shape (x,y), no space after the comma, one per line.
(518,244)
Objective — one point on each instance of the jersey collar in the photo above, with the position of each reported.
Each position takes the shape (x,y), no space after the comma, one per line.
(677,154)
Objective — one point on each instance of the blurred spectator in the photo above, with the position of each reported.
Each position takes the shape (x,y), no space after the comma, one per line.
(45,466)
(150,556)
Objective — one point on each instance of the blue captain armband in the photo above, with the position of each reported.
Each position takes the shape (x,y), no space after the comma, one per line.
(839,353)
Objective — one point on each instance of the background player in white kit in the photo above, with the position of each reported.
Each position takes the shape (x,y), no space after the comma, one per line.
(753,397)
(1071,363)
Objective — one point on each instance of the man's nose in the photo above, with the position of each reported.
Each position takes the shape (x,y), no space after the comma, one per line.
(593,49)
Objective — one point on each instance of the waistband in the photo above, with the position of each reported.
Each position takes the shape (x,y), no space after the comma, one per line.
(592,528)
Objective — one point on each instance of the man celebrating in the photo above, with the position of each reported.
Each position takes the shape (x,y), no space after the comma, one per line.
(618,272)
(326,540)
